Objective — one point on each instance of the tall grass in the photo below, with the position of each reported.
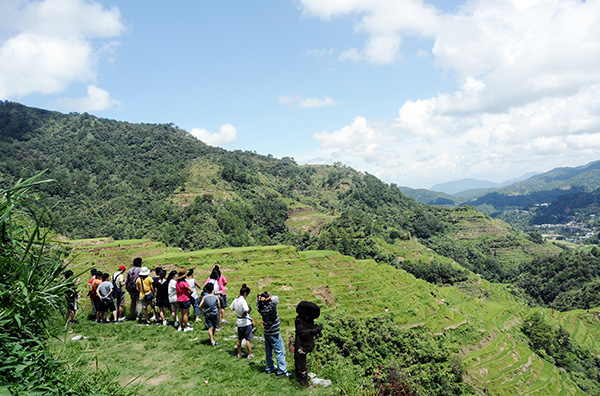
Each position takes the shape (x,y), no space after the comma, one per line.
(33,294)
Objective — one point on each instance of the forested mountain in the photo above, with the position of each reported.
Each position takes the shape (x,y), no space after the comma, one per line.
(128,181)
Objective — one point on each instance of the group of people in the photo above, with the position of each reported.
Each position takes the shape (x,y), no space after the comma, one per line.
(180,292)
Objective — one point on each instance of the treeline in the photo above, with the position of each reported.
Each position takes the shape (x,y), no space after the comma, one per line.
(375,356)
(567,281)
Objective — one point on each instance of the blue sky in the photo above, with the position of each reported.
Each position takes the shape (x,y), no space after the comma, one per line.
(414,92)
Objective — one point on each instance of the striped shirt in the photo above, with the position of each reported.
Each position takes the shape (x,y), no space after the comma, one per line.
(269,315)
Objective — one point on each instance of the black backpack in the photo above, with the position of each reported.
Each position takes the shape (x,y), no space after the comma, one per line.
(130,282)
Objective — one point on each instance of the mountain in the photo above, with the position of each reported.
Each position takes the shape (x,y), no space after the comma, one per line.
(429,197)
(457,186)
(543,188)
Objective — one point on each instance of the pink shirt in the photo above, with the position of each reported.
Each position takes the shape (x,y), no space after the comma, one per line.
(183,291)
(222,281)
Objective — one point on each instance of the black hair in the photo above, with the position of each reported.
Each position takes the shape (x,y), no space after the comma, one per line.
(93,271)
(99,273)
(105,276)
(244,290)
(216,267)
(190,272)
(137,262)
(264,294)
(157,270)
(162,273)
(210,287)
(172,274)
(215,274)
(68,274)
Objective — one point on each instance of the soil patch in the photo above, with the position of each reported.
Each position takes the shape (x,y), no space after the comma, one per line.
(325,295)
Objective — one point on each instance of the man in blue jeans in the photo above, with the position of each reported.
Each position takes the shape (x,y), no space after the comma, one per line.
(267,307)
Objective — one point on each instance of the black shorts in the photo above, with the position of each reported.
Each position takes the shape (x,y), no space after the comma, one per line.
(211,321)
(245,333)
(107,304)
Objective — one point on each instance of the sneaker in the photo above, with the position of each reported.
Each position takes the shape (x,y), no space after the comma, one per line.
(217,329)
(224,321)
(179,329)
(105,321)
(97,320)
(187,329)
(176,324)
(238,356)
(197,319)
(215,343)
(165,323)
(250,356)
(121,319)
(284,375)
(153,318)
(148,323)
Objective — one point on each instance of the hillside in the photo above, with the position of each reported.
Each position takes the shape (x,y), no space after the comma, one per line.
(131,181)
(479,321)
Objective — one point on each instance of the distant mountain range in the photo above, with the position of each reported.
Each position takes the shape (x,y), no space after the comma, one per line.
(528,190)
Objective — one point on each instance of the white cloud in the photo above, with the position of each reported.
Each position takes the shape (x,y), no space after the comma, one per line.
(49,44)
(528,74)
(303,102)
(227,135)
(97,99)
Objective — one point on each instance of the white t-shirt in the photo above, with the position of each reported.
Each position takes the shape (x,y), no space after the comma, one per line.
(240,306)
(173,291)
(192,283)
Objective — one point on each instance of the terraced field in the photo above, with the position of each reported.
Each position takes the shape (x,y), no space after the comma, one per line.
(500,364)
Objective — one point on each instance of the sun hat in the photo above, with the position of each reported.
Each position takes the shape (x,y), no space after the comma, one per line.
(144,271)
(182,274)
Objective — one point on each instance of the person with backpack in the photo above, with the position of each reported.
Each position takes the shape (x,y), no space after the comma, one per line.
(135,310)
(118,282)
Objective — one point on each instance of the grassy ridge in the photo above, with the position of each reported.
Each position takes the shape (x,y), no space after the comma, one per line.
(500,362)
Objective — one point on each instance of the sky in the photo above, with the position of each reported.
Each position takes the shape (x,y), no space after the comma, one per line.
(414,92)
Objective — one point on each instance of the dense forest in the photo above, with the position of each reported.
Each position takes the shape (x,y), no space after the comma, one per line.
(157,181)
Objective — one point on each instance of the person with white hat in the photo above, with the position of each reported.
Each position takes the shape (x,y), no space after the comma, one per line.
(145,286)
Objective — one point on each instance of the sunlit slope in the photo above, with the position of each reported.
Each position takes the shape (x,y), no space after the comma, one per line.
(501,363)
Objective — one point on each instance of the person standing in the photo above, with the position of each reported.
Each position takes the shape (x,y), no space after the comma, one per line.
(105,292)
(135,309)
(266,304)
(244,321)
(194,285)
(161,286)
(172,289)
(210,309)
(184,296)
(118,281)
(306,331)
(94,295)
(72,297)
(146,291)
(93,273)
(223,296)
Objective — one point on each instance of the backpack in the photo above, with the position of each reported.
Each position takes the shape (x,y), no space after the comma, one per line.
(116,288)
(131,279)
